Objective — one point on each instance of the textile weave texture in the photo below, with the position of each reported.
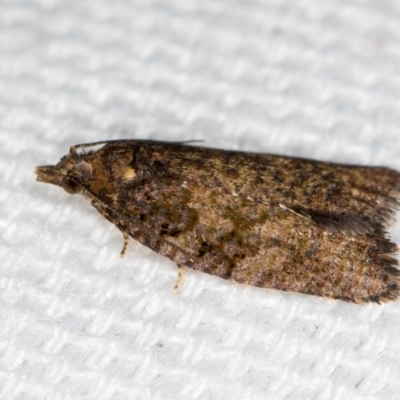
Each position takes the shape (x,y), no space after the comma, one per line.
(307,78)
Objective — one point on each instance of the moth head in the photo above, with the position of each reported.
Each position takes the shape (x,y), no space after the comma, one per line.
(51,174)
(69,173)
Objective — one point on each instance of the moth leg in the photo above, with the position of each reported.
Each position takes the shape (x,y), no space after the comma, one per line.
(126,243)
(181,272)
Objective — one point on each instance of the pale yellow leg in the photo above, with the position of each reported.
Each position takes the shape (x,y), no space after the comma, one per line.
(126,243)
(181,272)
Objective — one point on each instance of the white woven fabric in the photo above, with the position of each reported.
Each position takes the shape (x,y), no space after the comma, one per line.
(309,78)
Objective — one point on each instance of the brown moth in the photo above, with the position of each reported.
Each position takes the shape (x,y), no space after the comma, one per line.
(270,221)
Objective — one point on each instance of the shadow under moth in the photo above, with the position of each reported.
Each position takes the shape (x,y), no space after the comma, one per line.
(264,220)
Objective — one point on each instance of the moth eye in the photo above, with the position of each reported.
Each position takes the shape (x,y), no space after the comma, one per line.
(70,186)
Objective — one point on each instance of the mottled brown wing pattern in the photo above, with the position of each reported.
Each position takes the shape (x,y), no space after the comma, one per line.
(268,221)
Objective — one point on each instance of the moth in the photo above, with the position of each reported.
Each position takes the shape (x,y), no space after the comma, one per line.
(270,221)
